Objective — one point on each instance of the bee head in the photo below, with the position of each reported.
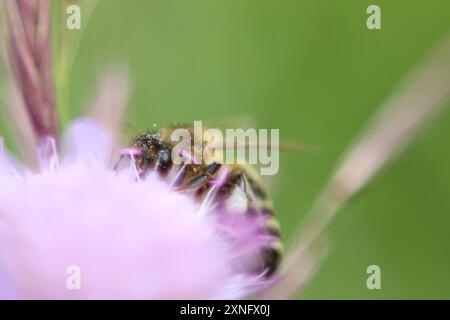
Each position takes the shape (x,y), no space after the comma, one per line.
(156,152)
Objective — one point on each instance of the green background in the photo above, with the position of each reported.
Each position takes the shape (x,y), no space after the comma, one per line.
(312,69)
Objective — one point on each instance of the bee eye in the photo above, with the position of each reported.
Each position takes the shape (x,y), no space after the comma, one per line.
(165,158)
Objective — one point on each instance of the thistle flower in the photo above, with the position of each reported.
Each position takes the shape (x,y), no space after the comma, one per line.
(130,239)
(130,236)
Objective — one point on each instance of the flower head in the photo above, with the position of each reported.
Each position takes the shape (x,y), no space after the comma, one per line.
(129,238)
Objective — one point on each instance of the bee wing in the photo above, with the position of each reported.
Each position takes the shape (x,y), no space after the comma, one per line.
(248,122)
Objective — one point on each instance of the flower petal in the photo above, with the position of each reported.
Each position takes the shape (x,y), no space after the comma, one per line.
(87,142)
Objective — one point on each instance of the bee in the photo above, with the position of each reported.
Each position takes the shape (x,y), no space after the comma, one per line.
(241,191)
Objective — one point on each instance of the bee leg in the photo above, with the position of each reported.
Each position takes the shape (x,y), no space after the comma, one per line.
(131,153)
(119,161)
(202,179)
(179,177)
(196,182)
(212,168)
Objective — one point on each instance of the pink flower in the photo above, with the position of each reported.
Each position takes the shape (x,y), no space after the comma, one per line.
(130,239)
(75,228)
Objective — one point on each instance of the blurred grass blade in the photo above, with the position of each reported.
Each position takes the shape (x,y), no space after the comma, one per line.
(422,95)
(67,43)
(28,46)
(110,99)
